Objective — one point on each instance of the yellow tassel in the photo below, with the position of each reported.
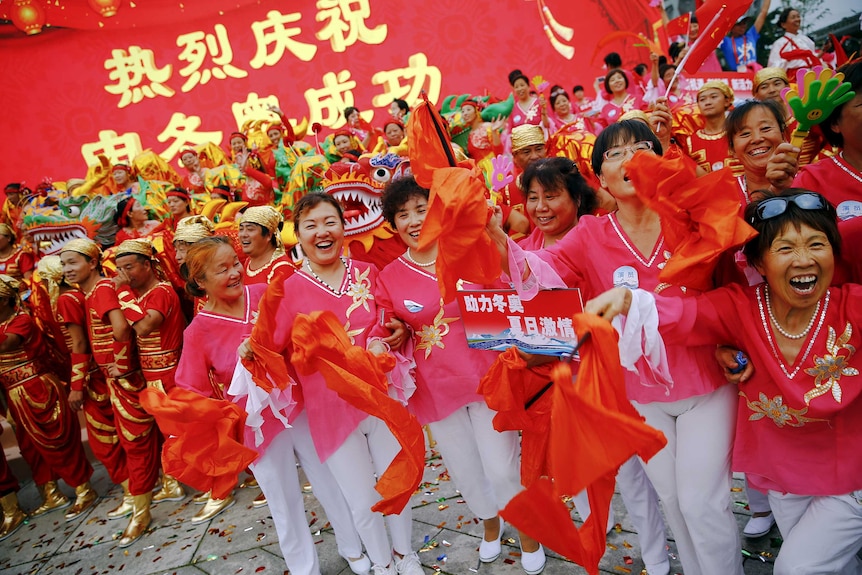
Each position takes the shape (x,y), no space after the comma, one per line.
(565,50)
(564,31)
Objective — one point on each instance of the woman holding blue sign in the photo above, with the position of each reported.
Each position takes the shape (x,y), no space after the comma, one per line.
(682,392)
(482,462)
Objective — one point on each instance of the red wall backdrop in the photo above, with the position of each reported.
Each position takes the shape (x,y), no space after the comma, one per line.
(84,78)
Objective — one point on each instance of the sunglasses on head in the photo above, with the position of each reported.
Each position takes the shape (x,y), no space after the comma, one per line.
(774,207)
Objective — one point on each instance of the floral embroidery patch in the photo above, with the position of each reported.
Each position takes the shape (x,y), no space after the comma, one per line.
(432,335)
(829,369)
(776,410)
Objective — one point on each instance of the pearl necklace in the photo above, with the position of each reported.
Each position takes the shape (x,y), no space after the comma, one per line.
(410,259)
(768,332)
(323,283)
(777,325)
(847,169)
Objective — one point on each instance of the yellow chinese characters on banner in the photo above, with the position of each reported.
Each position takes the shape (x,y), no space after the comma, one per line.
(182,132)
(118,149)
(136,76)
(345,24)
(416,75)
(196,47)
(273,38)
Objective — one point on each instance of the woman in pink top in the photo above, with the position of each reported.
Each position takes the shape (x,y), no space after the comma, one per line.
(799,423)
(354,445)
(690,402)
(482,462)
(207,368)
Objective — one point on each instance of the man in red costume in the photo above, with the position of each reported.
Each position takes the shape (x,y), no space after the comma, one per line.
(48,431)
(152,307)
(113,350)
(708,146)
(260,240)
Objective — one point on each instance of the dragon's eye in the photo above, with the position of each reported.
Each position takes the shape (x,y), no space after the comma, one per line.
(381,175)
(74,211)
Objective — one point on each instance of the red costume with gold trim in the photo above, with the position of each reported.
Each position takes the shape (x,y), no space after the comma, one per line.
(136,429)
(711,151)
(98,413)
(278,269)
(48,431)
(159,351)
(17,264)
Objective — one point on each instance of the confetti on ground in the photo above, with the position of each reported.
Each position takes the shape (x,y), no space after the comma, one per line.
(626,544)
(628,560)
(735,489)
(442,507)
(508,561)
(622,569)
(612,546)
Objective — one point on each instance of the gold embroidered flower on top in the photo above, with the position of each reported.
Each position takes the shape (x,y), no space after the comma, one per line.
(776,410)
(432,335)
(829,369)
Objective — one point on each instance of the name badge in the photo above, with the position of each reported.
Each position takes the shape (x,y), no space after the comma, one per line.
(627,277)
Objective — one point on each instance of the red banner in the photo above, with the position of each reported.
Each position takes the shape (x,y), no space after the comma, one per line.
(158,75)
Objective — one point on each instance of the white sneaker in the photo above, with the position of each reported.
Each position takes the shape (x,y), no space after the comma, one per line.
(490,550)
(360,566)
(533,562)
(409,565)
(381,570)
(759,526)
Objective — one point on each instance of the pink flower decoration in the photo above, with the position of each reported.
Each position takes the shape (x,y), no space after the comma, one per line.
(501,176)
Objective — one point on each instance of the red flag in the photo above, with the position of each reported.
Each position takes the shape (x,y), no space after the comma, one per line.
(720,16)
(678,26)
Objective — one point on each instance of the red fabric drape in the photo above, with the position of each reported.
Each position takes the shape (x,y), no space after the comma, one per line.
(699,216)
(268,369)
(358,376)
(592,422)
(204,446)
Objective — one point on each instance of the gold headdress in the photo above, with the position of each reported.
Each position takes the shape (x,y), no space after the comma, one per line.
(193,228)
(83,246)
(527,135)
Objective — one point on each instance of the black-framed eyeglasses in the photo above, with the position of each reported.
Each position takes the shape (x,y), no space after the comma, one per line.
(774,207)
(618,153)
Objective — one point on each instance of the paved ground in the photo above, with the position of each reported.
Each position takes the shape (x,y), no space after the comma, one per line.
(242,541)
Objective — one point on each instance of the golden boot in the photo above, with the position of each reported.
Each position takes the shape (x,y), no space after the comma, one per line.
(201,498)
(85,496)
(259,501)
(140,519)
(52,499)
(171,490)
(125,509)
(13,517)
(212,508)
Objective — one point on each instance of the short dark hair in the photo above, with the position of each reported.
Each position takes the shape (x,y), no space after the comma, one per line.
(618,134)
(516,75)
(825,221)
(852,73)
(640,69)
(349,110)
(311,201)
(577,88)
(397,193)
(736,118)
(562,173)
(613,73)
(402,104)
(613,60)
(784,15)
(665,68)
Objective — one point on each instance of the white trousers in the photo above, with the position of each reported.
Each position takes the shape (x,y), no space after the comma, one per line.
(482,461)
(758,501)
(275,471)
(693,479)
(367,451)
(641,502)
(326,490)
(821,534)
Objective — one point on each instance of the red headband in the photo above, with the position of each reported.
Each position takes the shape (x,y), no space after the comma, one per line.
(178,193)
(395,121)
(341,132)
(123,220)
(185,151)
(240,134)
(126,168)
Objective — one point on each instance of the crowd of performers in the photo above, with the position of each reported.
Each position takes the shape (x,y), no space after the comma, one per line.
(105,335)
